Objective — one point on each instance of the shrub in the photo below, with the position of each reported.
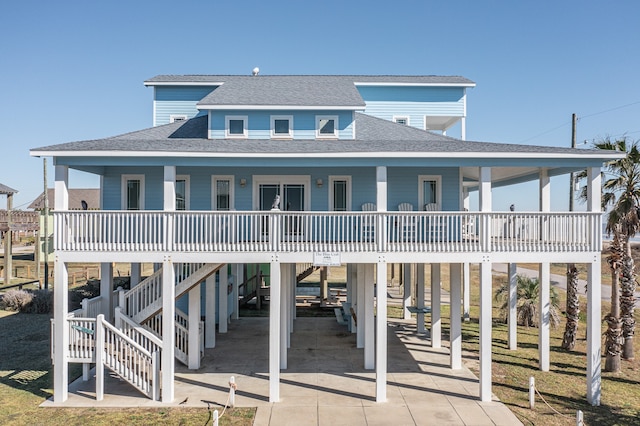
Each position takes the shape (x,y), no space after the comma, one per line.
(27,301)
(16,300)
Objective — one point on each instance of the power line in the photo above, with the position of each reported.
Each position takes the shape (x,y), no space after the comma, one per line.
(566,123)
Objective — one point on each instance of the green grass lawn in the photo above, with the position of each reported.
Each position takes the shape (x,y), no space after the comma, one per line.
(26,381)
(564,386)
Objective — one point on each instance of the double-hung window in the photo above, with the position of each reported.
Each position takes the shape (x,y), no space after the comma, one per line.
(132,190)
(430,192)
(327,126)
(339,193)
(222,193)
(236,126)
(182,192)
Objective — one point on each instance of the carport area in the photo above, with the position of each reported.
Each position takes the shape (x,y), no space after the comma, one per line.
(325,382)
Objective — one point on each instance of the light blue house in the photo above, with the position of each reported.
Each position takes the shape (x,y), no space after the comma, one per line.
(302,170)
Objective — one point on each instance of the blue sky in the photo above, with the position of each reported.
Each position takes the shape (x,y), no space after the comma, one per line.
(73,70)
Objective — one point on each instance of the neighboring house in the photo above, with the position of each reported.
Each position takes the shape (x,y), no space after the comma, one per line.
(289,170)
(79,199)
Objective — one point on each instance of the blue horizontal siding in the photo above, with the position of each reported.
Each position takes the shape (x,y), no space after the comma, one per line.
(402,185)
(259,126)
(413,102)
(177,100)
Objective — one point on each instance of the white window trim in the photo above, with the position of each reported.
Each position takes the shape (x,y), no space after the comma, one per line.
(421,180)
(273,127)
(335,127)
(177,117)
(123,190)
(214,193)
(402,117)
(281,180)
(332,179)
(245,126)
(187,189)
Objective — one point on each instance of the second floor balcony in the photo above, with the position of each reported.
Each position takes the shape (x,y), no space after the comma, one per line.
(310,232)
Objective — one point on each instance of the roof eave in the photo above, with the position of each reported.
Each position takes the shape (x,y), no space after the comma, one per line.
(283,107)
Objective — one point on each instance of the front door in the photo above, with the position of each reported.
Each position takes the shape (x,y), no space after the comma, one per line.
(289,193)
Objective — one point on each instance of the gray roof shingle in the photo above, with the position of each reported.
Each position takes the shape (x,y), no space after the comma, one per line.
(374,135)
(294,91)
(390,79)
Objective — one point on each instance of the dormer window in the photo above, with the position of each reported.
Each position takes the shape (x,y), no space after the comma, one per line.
(327,126)
(236,126)
(281,126)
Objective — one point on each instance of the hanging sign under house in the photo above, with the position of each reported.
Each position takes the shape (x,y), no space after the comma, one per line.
(326,258)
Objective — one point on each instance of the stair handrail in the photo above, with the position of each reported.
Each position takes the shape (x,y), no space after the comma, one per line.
(141,367)
(137,333)
(144,294)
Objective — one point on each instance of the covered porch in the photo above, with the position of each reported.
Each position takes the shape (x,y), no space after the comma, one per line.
(324,383)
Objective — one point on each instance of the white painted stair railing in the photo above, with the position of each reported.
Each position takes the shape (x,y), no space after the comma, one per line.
(154,325)
(94,340)
(144,300)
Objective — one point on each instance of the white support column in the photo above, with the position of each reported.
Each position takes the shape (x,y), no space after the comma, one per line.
(62,188)
(169,188)
(194,325)
(512,319)
(284,317)
(436,322)
(463,128)
(420,298)
(274,332)
(485,330)
(407,286)
(106,289)
(543,329)
(381,189)
(61,334)
(354,294)
(455,335)
(369,331)
(485,206)
(168,329)
(136,274)
(594,349)
(545,279)
(223,299)
(237,280)
(210,312)
(466,299)
(381,332)
(360,307)
(292,299)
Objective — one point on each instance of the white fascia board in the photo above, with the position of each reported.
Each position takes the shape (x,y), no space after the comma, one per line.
(183,83)
(357,83)
(182,154)
(282,107)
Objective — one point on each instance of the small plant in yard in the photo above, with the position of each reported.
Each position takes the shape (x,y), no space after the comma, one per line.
(27,301)
(528,291)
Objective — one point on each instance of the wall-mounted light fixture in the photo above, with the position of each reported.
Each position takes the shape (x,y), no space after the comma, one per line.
(243,182)
(319,183)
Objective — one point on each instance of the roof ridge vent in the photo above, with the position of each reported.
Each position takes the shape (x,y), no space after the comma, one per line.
(255,71)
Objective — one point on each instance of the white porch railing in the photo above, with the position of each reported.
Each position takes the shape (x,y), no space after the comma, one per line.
(89,308)
(326,231)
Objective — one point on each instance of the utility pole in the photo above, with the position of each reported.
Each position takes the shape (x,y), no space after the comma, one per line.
(574,120)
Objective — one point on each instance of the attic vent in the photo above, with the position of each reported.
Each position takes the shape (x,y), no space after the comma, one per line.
(255,71)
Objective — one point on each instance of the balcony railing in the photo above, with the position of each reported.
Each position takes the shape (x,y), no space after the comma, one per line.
(270,231)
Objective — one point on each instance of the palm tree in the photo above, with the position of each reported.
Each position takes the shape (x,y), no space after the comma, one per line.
(621,192)
(573,308)
(528,292)
(613,336)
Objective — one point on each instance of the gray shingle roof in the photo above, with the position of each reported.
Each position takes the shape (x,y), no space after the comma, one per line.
(295,91)
(405,79)
(5,190)
(76,195)
(374,135)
